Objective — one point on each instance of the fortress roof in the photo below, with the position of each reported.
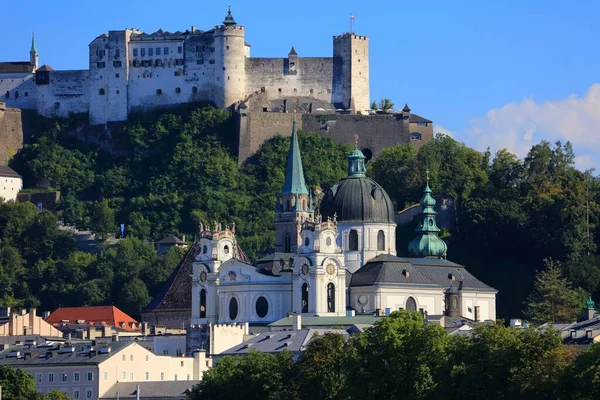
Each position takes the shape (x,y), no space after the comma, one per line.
(414,118)
(15,67)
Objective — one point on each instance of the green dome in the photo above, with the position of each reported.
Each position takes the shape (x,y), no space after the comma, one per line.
(427,243)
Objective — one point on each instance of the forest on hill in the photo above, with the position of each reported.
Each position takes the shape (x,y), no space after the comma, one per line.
(177,167)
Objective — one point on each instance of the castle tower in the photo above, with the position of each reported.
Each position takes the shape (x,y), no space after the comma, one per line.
(295,203)
(427,243)
(231,59)
(33,54)
(292,61)
(351,69)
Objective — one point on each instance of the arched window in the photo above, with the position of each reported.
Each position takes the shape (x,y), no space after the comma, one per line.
(380,240)
(411,304)
(330,297)
(288,243)
(305,298)
(233,308)
(203,303)
(353,240)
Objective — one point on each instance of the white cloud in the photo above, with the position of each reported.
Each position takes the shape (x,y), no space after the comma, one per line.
(518,126)
(440,129)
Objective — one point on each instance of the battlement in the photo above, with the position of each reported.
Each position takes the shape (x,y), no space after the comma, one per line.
(350,35)
(230,27)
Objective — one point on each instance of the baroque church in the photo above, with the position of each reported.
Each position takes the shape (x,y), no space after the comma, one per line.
(336,262)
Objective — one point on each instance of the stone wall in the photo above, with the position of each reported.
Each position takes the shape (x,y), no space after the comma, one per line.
(47,199)
(376,132)
(11,133)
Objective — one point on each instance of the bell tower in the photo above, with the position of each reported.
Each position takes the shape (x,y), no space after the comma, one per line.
(295,204)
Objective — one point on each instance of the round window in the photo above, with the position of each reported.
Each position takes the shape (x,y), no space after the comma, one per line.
(362,299)
(233,308)
(306,242)
(226,249)
(328,241)
(262,307)
(204,249)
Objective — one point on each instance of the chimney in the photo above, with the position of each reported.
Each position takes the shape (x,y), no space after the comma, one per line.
(32,315)
(296,322)
(23,311)
(91,332)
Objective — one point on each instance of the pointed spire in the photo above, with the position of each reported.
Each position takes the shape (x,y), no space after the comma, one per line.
(356,162)
(297,203)
(311,206)
(293,52)
(33,49)
(229,20)
(406,108)
(294,175)
(427,243)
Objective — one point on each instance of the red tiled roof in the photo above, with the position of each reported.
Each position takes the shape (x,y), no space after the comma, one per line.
(96,315)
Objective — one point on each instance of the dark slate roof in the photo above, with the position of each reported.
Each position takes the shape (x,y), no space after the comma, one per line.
(15,67)
(327,321)
(389,270)
(293,52)
(176,294)
(163,390)
(276,341)
(8,172)
(45,67)
(414,118)
(406,108)
(170,239)
(38,355)
(356,199)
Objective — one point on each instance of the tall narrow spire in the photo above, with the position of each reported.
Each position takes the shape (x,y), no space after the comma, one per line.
(427,243)
(294,175)
(33,49)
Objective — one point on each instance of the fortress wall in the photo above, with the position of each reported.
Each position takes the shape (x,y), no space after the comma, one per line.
(68,92)
(376,132)
(21,90)
(11,133)
(425,131)
(312,74)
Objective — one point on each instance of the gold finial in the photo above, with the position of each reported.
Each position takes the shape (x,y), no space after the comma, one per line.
(356,140)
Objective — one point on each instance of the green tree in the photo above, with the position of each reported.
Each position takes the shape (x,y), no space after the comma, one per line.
(321,368)
(386,104)
(374,105)
(553,300)
(16,384)
(103,221)
(134,296)
(583,377)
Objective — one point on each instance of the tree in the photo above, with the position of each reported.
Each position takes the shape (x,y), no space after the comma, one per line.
(103,221)
(321,368)
(374,105)
(553,300)
(16,384)
(255,376)
(134,296)
(386,104)
(583,377)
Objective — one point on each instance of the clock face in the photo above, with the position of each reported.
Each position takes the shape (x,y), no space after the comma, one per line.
(330,268)
(203,276)
(305,269)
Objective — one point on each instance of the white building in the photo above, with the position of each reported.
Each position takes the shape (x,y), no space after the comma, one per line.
(87,371)
(11,184)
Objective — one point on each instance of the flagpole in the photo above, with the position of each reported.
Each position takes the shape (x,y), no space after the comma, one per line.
(350,23)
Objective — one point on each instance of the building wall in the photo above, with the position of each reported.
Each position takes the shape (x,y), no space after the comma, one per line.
(67,92)
(225,336)
(394,298)
(484,300)
(367,242)
(11,133)
(18,90)
(27,323)
(43,373)
(351,58)
(231,65)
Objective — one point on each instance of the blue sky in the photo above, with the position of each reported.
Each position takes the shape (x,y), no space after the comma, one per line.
(497,74)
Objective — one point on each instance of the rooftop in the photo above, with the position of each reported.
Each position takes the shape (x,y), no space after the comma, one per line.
(16,67)
(95,315)
(7,172)
(166,390)
(327,321)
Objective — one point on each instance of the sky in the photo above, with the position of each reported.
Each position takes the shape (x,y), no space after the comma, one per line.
(493,74)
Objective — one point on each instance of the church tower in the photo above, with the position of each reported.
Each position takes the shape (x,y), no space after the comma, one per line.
(33,54)
(427,243)
(295,205)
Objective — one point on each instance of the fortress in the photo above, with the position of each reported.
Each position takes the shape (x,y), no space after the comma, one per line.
(130,71)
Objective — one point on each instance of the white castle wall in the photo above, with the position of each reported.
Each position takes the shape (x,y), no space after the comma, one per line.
(67,92)
(21,90)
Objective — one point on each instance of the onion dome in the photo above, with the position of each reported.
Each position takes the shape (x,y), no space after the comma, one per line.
(358,198)
(229,20)
(427,243)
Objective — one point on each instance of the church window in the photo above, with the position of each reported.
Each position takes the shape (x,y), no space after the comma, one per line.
(194,89)
(179,49)
(411,304)
(353,240)
(305,298)
(150,51)
(166,51)
(177,90)
(287,244)
(307,242)
(233,308)
(380,240)
(262,307)
(330,297)
(203,303)
(143,51)
(135,52)
(101,92)
(226,249)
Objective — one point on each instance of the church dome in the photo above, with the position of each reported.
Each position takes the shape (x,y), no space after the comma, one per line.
(358,198)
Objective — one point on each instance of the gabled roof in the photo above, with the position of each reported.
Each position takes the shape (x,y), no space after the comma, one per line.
(414,118)
(45,67)
(8,172)
(390,270)
(104,315)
